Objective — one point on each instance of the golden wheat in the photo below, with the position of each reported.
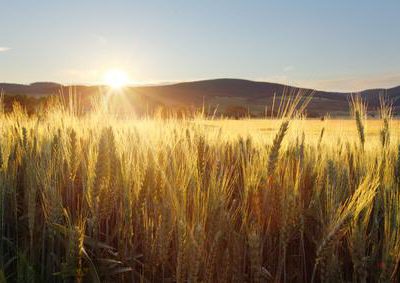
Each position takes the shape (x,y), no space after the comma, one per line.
(188,200)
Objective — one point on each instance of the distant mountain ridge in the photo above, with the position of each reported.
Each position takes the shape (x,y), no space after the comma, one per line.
(224,93)
(33,89)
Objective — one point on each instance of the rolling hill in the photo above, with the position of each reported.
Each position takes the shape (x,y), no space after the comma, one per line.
(222,94)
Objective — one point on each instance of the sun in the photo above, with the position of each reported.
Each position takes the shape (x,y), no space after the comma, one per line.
(116,78)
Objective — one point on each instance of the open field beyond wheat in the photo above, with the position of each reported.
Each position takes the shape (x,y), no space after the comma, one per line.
(96,199)
(334,129)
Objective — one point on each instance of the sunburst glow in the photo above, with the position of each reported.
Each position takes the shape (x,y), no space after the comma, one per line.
(116,78)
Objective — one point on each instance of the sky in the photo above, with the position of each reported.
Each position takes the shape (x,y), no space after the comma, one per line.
(344,45)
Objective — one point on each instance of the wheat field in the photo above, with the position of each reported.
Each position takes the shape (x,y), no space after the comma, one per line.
(102,199)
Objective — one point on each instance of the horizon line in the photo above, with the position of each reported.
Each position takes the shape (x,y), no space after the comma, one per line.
(176,82)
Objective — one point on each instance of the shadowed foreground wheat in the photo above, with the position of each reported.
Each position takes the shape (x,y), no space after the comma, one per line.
(173,201)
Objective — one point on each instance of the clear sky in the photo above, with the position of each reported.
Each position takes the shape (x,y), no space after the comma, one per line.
(334,45)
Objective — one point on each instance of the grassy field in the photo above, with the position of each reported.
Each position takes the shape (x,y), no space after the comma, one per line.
(344,129)
(97,199)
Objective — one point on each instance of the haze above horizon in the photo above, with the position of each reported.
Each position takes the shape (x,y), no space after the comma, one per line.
(335,46)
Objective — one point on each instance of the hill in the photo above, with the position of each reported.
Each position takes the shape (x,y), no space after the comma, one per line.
(222,93)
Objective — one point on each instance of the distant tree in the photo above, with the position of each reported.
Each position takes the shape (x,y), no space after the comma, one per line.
(236,112)
(314,114)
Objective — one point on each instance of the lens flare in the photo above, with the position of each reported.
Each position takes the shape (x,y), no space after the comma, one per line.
(116,78)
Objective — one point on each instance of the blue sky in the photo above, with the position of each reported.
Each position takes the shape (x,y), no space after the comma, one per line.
(335,45)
